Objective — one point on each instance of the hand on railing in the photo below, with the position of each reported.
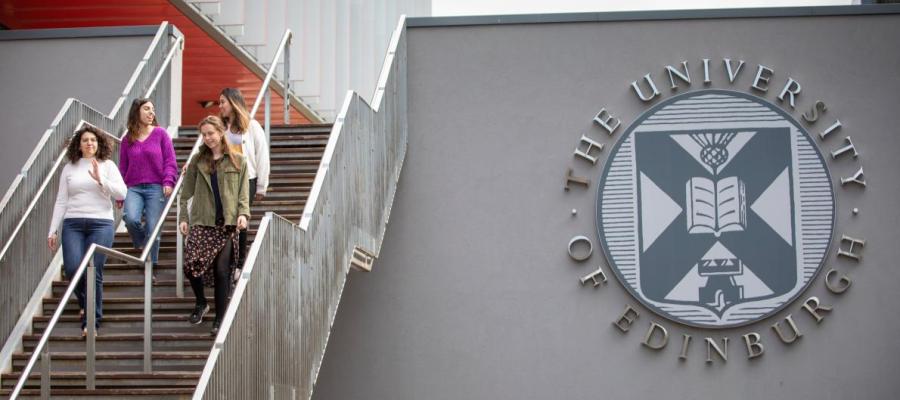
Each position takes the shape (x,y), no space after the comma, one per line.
(167,191)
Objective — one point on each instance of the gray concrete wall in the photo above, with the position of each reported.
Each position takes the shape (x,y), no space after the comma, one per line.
(474,295)
(38,75)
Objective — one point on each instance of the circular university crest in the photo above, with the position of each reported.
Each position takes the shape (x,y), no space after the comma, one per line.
(715,209)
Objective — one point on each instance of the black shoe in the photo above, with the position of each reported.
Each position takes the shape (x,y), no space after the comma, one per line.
(199,312)
(215,329)
(153,274)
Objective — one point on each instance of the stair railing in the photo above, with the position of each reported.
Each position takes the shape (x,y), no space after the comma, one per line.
(26,209)
(284,47)
(144,260)
(42,349)
(263,95)
(290,288)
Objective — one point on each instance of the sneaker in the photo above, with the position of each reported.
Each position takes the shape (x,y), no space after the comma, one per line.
(197,316)
(215,329)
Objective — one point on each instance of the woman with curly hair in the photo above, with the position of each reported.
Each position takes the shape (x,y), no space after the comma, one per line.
(87,185)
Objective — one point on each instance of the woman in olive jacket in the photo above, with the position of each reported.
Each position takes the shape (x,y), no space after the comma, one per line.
(217,180)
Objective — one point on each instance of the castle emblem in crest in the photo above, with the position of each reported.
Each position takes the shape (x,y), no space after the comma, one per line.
(715,209)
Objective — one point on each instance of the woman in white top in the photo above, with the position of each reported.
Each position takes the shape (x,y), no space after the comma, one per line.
(246,137)
(87,185)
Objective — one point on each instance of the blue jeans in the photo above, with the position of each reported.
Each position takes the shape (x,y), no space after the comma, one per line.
(77,236)
(145,200)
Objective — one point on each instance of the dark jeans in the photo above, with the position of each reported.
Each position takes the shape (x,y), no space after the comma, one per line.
(222,281)
(242,236)
(77,236)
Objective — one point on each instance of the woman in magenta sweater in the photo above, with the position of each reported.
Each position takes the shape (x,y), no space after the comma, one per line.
(147,163)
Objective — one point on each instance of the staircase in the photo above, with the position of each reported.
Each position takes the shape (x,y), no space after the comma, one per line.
(180,350)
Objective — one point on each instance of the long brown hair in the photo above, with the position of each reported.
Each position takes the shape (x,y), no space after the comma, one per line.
(205,155)
(238,109)
(104,148)
(134,119)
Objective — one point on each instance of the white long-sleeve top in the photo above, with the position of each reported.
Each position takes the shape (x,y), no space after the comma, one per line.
(80,196)
(256,150)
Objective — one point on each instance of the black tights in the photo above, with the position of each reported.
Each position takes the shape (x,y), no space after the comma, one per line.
(242,235)
(222,272)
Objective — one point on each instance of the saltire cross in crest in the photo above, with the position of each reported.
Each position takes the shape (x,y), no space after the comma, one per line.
(716,216)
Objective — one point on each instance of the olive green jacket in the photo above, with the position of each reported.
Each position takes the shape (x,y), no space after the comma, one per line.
(234,189)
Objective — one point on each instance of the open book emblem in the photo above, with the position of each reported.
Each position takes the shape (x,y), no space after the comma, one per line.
(715,208)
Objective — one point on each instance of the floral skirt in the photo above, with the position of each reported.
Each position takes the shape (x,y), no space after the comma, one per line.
(202,246)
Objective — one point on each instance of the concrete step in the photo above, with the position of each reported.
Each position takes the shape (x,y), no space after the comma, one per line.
(108,379)
(168,322)
(125,342)
(164,287)
(125,361)
(131,305)
(108,394)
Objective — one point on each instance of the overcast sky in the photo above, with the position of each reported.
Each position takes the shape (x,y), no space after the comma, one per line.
(483,7)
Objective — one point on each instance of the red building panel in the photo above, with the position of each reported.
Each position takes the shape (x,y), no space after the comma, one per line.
(207,66)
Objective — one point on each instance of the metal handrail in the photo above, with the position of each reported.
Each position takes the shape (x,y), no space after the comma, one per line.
(55,167)
(177,46)
(307,264)
(238,293)
(21,214)
(264,94)
(283,47)
(144,259)
(90,302)
(86,264)
(45,138)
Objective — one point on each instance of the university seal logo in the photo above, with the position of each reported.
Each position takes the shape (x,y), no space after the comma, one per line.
(715,209)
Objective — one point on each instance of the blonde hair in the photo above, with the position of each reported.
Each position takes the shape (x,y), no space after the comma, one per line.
(205,155)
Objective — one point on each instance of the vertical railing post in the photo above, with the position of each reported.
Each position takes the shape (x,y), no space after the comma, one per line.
(287,81)
(179,249)
(268,116)
(148,316)
(91,310)
(45,371)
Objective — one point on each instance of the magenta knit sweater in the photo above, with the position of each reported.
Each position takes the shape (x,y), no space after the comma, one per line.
(150,161)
